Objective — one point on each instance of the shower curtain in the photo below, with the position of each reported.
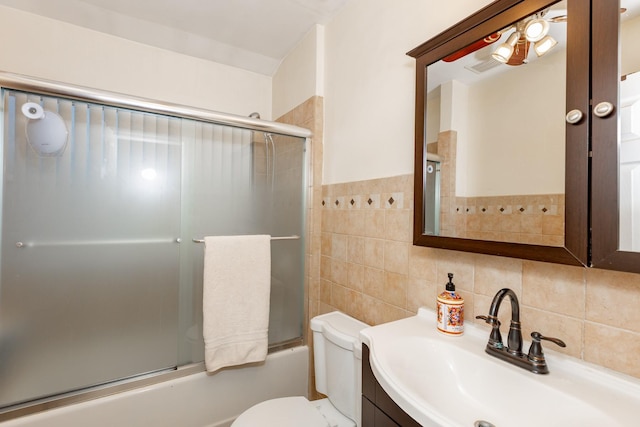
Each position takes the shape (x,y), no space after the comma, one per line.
(100,277)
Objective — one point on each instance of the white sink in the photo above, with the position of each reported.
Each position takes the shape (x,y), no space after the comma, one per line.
(441,380)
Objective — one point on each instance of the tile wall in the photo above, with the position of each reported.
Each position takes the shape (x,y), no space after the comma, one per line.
(360,260)
(370,270)
(309,115)
(537,219)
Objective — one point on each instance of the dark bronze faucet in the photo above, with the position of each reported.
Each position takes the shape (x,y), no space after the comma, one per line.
(534,361)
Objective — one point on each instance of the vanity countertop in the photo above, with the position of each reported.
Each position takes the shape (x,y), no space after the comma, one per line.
(442,380)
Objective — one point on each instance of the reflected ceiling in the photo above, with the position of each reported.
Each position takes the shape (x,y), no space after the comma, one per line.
(479,64)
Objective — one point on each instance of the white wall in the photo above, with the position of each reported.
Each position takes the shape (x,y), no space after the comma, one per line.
(40,47)
(516,124)
(301,74)
(369,86)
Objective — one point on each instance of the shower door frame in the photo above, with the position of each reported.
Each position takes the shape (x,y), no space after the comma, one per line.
(23,83)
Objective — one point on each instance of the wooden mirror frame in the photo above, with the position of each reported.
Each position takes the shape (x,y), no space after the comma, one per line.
(497,15)
(605,200)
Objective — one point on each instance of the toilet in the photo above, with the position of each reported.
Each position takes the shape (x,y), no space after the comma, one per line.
(338,361)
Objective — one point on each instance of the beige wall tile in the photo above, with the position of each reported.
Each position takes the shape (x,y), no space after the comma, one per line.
(612,348)
(531,224)
(374,253)
(374,223)
(339,297)
(423,263)
(372,310)
(314,264)
(395,289)
(373,284)
(357,222)
(469,305)
(339,272)
(326,271)
(495,273)
(325,291)
(396,257)
(613,299)
(553,225)
(355,249)
(461,265)
(391,313)
(398,225)
(328,220)
(420,293)
(383,277)
(341,221)
(553,287)
(339,247)
(355,276)
(568,329)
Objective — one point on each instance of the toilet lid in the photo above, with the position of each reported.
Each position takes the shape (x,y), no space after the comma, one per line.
(285,412)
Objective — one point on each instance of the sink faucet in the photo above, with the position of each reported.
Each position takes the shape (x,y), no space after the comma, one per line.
(534,361)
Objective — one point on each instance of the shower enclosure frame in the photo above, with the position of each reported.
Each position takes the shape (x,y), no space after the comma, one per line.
(50,88)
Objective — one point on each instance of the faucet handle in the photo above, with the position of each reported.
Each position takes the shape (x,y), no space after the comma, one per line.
(536,356)
(537,336)
(488,320)
(495,338)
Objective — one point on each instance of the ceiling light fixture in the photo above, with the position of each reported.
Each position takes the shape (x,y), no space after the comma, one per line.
(532,30)
(505,50)
(545,45)
(536,29)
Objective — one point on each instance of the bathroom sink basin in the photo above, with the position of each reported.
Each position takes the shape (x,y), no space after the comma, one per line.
(449,381)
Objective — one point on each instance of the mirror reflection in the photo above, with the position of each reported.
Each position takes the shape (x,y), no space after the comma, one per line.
(495,123)
(629,154)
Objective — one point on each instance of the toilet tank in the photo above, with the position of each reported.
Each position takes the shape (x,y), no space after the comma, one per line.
(337,355)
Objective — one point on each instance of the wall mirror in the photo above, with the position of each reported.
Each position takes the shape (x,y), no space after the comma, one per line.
(494,173)
(616,137)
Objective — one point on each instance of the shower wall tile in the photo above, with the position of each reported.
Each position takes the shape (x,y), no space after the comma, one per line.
(309,115)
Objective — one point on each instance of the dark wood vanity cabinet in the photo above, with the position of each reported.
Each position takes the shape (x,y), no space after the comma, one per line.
(378,409)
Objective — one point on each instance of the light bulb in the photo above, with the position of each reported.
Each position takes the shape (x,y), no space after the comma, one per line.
(505,50)
(545,45)
(536,29)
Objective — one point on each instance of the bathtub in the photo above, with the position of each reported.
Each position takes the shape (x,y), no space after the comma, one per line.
(197,400)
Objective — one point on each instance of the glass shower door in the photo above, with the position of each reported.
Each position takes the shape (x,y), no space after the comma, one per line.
(89,257)
(237,181)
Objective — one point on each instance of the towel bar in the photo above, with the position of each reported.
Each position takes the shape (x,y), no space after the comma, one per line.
(294,237)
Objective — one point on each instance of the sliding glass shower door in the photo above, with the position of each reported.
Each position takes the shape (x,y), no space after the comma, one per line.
(89,258)
(103,213)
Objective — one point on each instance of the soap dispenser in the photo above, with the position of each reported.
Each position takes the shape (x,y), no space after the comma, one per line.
(450,310)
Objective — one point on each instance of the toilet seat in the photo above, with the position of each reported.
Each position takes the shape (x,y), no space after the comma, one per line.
(284,412)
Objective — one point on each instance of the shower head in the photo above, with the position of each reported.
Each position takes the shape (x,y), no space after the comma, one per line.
(254,115)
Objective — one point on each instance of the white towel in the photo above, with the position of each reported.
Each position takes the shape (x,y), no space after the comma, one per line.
(236,289)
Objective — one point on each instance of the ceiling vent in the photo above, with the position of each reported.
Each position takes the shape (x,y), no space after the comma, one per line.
(483,66)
